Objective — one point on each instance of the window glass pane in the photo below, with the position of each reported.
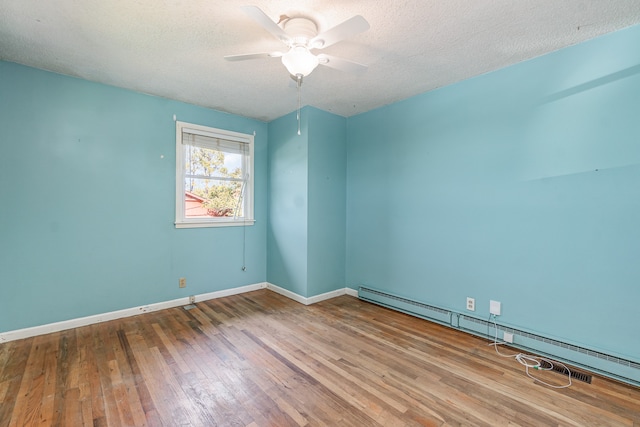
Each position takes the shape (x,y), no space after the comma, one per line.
(214,163)
(210,198)
(214,177)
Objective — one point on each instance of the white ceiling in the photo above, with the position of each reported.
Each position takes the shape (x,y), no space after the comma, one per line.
(175,48)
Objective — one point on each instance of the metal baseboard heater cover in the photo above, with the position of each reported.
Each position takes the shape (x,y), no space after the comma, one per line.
(608,365)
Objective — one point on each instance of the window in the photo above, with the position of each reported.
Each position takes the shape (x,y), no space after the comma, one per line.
(214,177)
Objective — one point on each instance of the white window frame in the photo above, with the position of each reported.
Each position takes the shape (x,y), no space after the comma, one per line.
(181,220)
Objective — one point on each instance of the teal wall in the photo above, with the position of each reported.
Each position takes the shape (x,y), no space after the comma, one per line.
(327,201)
(522,186)
(287,237)
(307,205)
(87,202)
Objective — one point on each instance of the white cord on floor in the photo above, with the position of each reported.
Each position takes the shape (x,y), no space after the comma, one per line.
(529,361)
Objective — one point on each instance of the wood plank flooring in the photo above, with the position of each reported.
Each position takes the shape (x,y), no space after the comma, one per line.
(260,359)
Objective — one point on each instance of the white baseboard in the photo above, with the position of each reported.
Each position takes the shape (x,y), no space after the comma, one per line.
(351,292)
(314,299)
(128,312)
(119,314)
(287,293)
(229,292)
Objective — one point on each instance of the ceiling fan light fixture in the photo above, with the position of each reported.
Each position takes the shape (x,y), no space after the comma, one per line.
(300,61)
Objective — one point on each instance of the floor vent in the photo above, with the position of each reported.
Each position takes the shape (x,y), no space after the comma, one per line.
(575,375)
(189,307)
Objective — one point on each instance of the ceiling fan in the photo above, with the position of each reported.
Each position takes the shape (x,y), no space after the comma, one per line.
(300,35)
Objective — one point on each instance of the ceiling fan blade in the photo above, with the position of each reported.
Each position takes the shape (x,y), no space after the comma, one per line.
(341,64)
(246,56)
(261,18)
(348,28)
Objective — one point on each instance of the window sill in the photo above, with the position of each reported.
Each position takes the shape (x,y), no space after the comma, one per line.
(210,224)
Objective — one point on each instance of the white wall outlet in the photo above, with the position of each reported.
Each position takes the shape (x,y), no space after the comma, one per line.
(182,282)
(494,307)
(471,304)
(192,299)
(507,337)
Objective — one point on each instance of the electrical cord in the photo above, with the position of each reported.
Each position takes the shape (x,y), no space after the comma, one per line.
(529,361)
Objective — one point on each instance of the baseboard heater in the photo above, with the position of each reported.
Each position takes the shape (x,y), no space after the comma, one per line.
(605,364)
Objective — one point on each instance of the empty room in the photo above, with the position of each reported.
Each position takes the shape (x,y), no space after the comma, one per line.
(316,213)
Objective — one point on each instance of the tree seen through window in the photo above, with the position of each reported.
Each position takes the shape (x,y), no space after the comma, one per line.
(217,178)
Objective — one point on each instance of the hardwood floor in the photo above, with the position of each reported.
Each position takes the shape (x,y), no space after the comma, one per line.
(260,359)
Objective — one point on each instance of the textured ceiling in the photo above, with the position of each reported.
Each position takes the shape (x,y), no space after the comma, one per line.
(175,48)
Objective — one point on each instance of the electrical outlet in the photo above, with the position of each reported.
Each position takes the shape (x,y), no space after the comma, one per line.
(494,307)
(471,304)
(182,282)
(507,337)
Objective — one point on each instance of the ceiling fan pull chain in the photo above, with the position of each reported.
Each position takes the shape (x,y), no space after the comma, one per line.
(299,81)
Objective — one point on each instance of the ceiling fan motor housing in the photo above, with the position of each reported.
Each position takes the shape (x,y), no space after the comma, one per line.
(301,30)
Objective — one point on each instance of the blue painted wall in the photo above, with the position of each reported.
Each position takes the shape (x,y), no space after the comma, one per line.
(327,201)
(287,237)
(522,186)
(307,206)
(87,202)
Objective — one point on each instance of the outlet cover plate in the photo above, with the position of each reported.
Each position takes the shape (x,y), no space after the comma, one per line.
(507,337)
(495,307)
(471,304)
